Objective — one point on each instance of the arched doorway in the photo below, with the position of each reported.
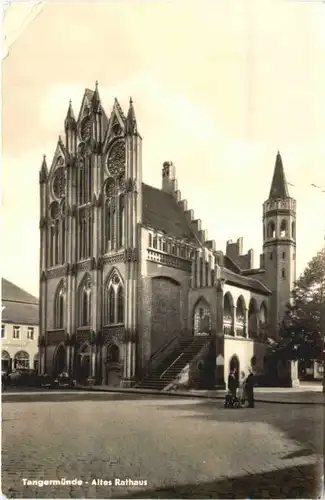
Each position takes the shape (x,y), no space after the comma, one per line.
(234,365)
(202,318)
(59,360)
(5,362)
(112,366)
(83,364)
(21,360)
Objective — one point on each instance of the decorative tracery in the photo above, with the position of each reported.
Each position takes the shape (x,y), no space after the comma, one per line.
(57,234)
(85,300)
(59,306)
(116,159)
(85,231)
(114,216)
(114,301)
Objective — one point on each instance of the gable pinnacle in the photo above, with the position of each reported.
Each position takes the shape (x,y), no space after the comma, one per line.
(279,187)
(96,99)
(44,171)
(131,121)
(70,121)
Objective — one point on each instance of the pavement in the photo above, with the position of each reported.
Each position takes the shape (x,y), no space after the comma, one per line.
(306,393)
(174,447)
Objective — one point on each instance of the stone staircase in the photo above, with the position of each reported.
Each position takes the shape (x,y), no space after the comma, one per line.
(169,368)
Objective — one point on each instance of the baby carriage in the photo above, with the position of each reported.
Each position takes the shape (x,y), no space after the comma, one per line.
(231,401)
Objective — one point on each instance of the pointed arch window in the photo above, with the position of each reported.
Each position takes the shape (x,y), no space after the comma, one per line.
(85,234)
(85,181)
(284,229)
(107,221)
(85,300)
(120,305)
(59,307)
(114,301)
(271,230)
(121,220)
(111,305)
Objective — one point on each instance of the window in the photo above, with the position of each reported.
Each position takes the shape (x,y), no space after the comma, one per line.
(283,273)
(283,255)
(150,240)
(155,241)
(294,256)
(85,301)
(16,332)
(3,331)
(30,333)
(271,255)
(114,301)
(21,360)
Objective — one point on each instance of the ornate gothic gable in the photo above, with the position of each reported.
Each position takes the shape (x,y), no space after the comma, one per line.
(116,125)
(59,157)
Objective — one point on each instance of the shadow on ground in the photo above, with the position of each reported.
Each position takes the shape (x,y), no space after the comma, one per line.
(291,482)
(304,424)
(73,396)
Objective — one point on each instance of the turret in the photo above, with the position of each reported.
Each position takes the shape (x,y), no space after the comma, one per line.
(279,242)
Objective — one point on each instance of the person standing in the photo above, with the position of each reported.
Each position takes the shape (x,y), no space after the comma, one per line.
(232,383)
(249,389)
(242,390)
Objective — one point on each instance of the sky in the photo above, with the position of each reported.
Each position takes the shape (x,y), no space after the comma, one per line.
(218,88)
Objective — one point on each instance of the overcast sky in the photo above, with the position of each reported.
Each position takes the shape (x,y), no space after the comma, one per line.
(218,88)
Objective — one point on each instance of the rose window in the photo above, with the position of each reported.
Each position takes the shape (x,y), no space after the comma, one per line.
(59,183)
(116,159)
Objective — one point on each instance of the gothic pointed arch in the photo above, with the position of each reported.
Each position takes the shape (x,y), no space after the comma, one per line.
(116,127)
(114,300)
(284,228)
(59,302)
(85,301)
(202,318)
(228,305)
(109,193)
(59,359)
(240,316)
(253,315)
(271,229)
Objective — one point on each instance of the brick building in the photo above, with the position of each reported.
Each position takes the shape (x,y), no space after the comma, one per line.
(128,275)
(19,328)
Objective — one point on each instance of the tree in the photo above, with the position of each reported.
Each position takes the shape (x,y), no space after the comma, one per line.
(303,322)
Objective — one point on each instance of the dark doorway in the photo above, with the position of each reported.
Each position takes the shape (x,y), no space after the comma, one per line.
(59,360)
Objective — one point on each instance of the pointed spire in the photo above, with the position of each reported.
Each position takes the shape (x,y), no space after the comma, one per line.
(131,121)
(96,99)
(279,187)
(44,171)
(70,121)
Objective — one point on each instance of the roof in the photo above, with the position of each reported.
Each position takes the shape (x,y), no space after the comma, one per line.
(19,306)
(244,282)
(279,187)
(161,211)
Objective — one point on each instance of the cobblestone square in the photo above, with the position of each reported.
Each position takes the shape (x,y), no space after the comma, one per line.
(185,448)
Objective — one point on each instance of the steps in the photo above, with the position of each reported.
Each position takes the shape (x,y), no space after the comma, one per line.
(170,367)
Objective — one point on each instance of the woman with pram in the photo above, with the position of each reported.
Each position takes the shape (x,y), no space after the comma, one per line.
(231,399)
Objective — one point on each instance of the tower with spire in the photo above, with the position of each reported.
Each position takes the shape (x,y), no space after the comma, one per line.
(279,243)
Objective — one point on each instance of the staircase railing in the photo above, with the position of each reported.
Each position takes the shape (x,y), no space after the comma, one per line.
(156,358)
(161,376)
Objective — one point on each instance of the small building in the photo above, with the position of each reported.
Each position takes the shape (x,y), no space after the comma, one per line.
(19,328)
